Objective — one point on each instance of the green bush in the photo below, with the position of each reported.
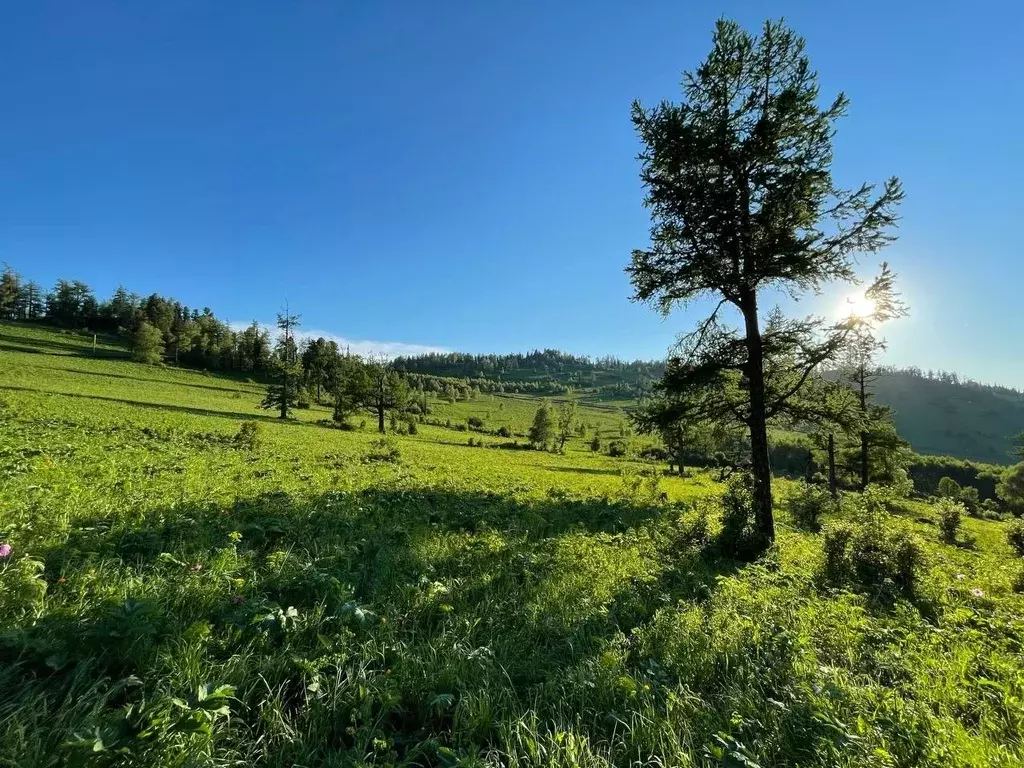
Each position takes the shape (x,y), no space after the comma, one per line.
(595,444)
(383,449)
(249,435)
(808,503)
(475,422)
(739,537)
(1015,536)
(948,488)
(617,448)
(873,552)
(504,432)
(950,514)
(971,500)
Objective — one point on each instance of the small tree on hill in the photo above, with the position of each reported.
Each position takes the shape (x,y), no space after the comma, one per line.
(948,488)
(1011,488)
(567,416)
(147,344)
(283,394)
(372,385)
(542,431)
(739,185)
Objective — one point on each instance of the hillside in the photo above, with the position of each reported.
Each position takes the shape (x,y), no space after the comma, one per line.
(938,414)
(945,417)
(171,594)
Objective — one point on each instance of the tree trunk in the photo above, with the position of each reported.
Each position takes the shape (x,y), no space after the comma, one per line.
(863,434)
(380,417)
(833,489)
(760,461)
(284,394)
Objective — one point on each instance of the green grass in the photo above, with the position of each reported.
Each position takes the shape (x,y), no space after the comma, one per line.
(461,606)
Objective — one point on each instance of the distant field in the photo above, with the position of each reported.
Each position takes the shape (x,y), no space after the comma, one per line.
(174,598)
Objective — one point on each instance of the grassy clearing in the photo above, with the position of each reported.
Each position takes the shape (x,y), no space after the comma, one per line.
(174,598)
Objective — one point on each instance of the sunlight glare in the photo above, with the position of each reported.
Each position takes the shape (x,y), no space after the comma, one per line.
(858,305)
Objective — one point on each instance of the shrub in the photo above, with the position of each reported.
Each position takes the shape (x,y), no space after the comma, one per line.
(739,537)
(249,435)
(383,449)
(1017,585)
(950,513)
(948,488)
(475,422)
(504,432)
(971,500)
(1015,536)
(411,427)
(616,448)
(874,553)
(595,444)
(808,503)
(471,442)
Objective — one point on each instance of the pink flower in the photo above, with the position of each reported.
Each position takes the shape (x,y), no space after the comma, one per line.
(977,592)
(5,550)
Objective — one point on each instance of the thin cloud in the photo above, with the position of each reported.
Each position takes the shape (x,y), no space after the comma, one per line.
(362,347)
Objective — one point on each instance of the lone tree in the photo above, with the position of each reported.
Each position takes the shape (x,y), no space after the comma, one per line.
(567,416)
(742,201)
(283,394)
(372,385)
(864,346)
(147,344)
(542,431)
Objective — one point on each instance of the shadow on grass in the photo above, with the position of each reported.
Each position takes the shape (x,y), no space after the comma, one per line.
(65,349)
(475,596)
(145,379)
(245,415)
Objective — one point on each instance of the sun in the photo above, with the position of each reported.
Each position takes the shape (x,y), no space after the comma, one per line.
(858,305)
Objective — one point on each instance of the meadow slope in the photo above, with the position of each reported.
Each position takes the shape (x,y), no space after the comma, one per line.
(175,597)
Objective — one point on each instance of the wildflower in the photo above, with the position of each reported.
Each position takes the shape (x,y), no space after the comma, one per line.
(977,592)
(237,600)
(196,568)
(61,580)
(5,550)
(960,577)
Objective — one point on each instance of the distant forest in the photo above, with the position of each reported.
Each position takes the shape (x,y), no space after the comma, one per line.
(938,412)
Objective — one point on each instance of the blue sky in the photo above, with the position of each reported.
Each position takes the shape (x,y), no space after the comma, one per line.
(463,174)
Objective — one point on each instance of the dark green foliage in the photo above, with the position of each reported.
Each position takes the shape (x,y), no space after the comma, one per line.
(249,435)
(1015,536)
(807,503)
(971,501)
(950,514)
(475,422)
(874,553)
(595,443)
(383,450)
(617,448)
(740,536)
(1011,489)
(927,471)
(147,344)
(948,488)
(542,431)
(286,391)
(738,182)
(504,431)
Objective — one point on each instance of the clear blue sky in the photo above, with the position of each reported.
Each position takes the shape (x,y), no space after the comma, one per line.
(463,174)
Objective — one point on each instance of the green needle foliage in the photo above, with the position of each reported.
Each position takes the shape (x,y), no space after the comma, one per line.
(738,180)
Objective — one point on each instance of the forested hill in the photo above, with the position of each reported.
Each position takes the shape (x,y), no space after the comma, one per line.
(940,414)
(545,372)
(937,412)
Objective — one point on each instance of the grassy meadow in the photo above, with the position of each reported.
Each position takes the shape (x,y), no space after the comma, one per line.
(177,597)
